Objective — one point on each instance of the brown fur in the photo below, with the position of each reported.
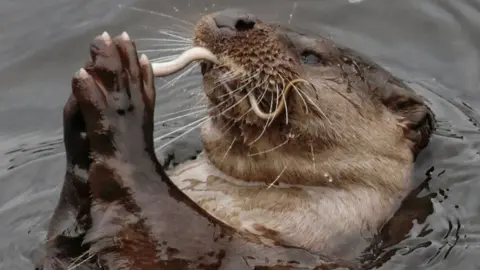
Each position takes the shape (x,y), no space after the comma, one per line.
(354,124)
(350,146)
(139,219)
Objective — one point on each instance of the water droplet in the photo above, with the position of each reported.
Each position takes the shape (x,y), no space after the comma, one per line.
(328,177)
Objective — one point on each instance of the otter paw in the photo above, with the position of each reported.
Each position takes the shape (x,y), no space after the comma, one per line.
(77,146)
(116,95)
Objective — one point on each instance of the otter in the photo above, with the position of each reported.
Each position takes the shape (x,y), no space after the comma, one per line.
(308,144)
(308,150)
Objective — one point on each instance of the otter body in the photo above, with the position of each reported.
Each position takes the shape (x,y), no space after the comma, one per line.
(308,152)
(327,172)
(334,222)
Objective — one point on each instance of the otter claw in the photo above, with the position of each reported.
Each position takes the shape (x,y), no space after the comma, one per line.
(144,60)
(116,83)
(82,73)
(106,36)
(125,36)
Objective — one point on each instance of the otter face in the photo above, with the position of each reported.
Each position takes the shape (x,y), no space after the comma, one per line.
(268,72)
(280,91)
(258,62)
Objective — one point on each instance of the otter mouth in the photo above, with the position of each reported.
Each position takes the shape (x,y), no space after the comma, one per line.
(208,64)
(206,67)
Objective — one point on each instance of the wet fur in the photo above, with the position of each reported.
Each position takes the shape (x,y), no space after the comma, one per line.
(341,164)
(138,219)
(356,177)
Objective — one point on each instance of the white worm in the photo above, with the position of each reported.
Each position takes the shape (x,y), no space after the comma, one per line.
(190,55)
(279,109)
(199,53)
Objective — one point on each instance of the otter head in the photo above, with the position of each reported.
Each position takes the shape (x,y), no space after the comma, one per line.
(290,108)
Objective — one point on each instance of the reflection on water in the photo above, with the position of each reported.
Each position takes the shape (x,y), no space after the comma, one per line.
(432,45)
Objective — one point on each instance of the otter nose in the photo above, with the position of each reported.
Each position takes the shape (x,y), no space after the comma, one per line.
(236,20)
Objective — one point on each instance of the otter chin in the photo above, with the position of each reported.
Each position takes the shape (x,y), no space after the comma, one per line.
(309,144)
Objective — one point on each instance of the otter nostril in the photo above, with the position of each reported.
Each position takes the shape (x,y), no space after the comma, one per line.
(244,25)
(234,20)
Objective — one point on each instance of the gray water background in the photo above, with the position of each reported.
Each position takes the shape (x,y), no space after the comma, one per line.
(432,44)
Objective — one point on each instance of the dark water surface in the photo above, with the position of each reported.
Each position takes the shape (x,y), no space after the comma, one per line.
(432,44)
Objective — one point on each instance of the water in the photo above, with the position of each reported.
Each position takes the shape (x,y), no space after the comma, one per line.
(433,45)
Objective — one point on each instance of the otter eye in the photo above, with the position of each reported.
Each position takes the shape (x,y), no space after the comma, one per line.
(310,58)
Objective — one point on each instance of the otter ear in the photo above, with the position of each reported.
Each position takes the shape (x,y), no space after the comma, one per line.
(416,118)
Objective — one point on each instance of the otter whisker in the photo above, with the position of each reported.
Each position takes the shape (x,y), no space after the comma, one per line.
(270,109)
(166,45)
(184,34)
(251,76)
(225,77)
(184,28)
(179,117)
(221,103)
(355,105)
(71,267)
(229,94)
(176,79)
(200,100)
(249,110)
(79,258)
(271,149)
(263,95)
(185,73)
(315,105)
(303,99)
(249,93)
(281,106)
(267,123)
(230,147)
(227,127)
(277,178)
(234,73)
(211,89)
(229,74)
(296,89)
(238,102)
(243,115)
(211,109)
(173,41)
(156,13)
(313,157)
(278,96)
(181,128)
(174,35)
(184,110)
(165,50)
(203,120)
(286,110)
(229,124)
(245,82)
(169,45)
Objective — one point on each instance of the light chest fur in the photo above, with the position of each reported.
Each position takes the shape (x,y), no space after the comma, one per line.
(336,222)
